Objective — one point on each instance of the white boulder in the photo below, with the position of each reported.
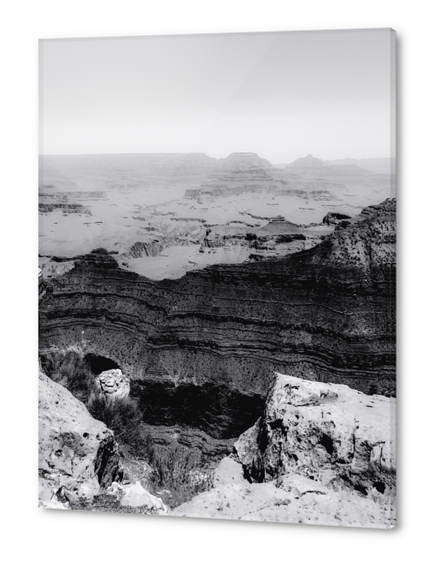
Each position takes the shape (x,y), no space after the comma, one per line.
(112,384)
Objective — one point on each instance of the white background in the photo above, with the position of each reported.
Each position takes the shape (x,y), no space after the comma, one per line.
(32,534)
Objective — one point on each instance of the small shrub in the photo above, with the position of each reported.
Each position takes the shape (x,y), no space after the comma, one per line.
(71,370)
(177,468)
(121,415)
(172,465)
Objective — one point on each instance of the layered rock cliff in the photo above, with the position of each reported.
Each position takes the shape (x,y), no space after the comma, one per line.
(201,350)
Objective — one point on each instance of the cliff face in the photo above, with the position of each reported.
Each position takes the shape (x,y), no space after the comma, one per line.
(201,350)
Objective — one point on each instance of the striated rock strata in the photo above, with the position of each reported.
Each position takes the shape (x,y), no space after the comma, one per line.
(201,350)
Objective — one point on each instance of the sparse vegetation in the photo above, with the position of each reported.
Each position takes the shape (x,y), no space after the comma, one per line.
(178,469)
(111,503)
(122,416)
(174,468)
(71,370)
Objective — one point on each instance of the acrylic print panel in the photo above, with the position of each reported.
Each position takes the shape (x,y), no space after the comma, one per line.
(217,276)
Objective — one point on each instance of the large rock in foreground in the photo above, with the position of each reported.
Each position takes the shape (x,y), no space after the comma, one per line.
(329,433)
(77,454)
(321,454)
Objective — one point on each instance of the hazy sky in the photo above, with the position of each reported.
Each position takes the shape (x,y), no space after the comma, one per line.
(282,95)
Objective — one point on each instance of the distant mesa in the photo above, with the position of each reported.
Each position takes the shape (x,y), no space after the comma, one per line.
(374,165)
(307,162)
(245,159)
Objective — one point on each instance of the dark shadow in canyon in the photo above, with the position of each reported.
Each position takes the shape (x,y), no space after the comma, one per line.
(98,363)
(219,411)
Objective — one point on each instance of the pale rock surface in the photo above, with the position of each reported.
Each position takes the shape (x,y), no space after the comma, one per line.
(228,472)
(112,384)
(292,499)
(77,454)
(322,431)
(321,454)
(135,496)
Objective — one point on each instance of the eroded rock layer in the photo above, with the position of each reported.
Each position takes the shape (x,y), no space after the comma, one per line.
(201,350)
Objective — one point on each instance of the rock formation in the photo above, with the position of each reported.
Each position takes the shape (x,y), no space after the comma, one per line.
(80,464)
(239,173)
(320,454)
(66,208)
(242,160)
(307,162)
(326,432)
(135,496)
(289,499)
(375,165)
(128,203)
(77,454)
(335,218)
(112,385)
(201,350)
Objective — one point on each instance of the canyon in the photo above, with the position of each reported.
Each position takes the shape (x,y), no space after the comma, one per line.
(318,454)
(153,210)
(177,285)
(200,351)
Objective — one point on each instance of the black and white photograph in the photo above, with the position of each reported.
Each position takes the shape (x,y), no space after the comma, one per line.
(217,276)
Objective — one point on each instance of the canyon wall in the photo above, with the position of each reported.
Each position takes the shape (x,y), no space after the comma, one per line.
(201,350)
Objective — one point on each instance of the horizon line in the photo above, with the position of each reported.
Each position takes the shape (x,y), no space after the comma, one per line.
(208,156)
